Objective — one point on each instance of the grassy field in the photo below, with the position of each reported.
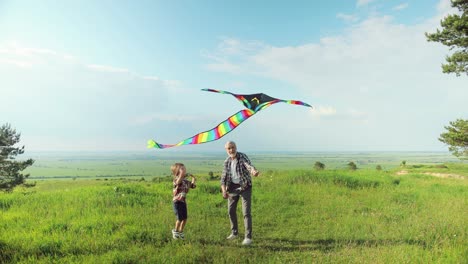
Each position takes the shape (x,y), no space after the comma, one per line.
(299,216)
(138,165)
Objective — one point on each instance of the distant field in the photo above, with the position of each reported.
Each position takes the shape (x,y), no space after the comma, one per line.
(138,165)
(299,215)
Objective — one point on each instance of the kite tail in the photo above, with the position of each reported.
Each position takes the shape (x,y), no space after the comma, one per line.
(210,135)
(295,102)
(154,144)
(216,91)
(267,104)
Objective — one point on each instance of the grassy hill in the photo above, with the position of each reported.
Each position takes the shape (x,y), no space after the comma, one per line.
(299,216)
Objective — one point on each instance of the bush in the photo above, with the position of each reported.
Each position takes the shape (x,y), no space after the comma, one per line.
(319,166)
(352,166)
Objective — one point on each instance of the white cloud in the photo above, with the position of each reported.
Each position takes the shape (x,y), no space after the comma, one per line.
(348,18)
(385,73)
(361,3)
(149,118)
(400,6)
(50,95)
(17,63)
(224,66)
(444,7)
(331,113)
(227,49)
(106,68)
(321,111)
(376,53)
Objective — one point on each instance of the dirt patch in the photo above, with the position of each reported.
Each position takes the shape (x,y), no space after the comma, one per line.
(435,174)
(445,175)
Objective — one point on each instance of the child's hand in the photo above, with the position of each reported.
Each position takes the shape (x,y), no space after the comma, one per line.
(255,172)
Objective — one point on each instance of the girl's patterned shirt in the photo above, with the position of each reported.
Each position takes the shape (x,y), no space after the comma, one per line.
(180,191)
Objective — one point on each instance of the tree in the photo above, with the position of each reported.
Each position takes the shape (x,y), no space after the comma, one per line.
(457,138)
(454,35)
(352,166)
(10,169)
(403,163)
(378,167)
(319,166)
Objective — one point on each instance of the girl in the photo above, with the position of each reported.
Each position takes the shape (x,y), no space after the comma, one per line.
(181,187)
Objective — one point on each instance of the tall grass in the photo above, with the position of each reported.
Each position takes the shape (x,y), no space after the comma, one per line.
(298,216)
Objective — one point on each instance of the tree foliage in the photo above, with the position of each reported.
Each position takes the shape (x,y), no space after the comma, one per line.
(454,35)
(352,166)
(457,138)
(319,165)
(10,169)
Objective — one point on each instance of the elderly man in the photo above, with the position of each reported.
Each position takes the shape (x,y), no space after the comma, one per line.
(236,182)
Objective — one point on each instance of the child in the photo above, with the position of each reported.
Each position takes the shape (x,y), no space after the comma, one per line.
(179,192)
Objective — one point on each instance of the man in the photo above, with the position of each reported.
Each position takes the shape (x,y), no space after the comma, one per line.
(236,182)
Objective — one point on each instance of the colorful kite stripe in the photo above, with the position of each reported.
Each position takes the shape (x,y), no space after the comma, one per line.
(267,104)
(295,102)
(238,96)
(214,134)
(216,91)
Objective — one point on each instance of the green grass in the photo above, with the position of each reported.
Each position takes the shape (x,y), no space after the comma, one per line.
(299,216)
(127,165)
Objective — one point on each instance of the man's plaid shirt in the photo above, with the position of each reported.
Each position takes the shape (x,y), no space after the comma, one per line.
(243,168)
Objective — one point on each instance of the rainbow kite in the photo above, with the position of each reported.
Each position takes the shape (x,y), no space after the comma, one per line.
(253,103)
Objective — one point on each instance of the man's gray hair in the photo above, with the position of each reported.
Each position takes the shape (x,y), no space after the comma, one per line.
(230,143)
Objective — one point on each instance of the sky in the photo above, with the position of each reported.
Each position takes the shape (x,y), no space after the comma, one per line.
(110,75)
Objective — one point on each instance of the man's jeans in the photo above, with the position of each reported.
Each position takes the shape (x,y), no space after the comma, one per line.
(246,209)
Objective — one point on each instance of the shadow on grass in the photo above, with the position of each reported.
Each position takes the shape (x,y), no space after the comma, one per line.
(327,245)
(6,252)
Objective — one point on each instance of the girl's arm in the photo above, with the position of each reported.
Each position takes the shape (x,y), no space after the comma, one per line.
(179,179)
(193,181)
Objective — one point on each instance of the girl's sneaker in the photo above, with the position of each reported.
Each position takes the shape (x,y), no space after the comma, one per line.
(181,235)
(231,237)
(175,234)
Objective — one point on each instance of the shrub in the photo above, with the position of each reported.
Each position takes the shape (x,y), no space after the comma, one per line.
(319,166)
(352,166)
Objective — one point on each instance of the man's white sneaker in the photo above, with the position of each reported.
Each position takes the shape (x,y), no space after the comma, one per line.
(247,242)
(231,237)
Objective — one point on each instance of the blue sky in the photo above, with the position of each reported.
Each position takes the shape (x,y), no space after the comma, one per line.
(109,75)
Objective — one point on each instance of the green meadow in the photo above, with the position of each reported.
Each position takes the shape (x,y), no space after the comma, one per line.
(117,209)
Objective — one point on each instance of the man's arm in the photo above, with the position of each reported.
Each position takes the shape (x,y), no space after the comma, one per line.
(224,180)
(248,165)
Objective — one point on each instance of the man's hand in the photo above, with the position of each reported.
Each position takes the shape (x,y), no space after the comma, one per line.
(255,173)
(225,194)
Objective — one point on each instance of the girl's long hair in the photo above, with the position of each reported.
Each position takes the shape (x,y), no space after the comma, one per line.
(175,168)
